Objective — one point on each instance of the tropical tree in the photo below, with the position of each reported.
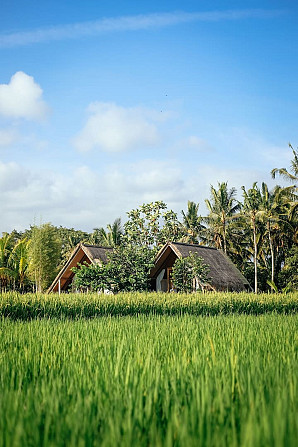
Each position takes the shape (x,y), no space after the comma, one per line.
(14,262)
(190,273)
(273,212)
(5,253)
(111,237)
(69,238)
(19,263)
(251,211)
(44,252)
(151,225)
(288,277)
(222,208)
(90,277)
(192,226)
(292,174)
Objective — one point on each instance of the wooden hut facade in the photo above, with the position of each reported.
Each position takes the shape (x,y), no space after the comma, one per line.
(83,253)
(223,274)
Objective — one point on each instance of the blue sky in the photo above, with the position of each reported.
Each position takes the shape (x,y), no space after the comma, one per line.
(105,105)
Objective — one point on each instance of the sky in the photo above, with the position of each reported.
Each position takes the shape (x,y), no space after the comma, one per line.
(105,105)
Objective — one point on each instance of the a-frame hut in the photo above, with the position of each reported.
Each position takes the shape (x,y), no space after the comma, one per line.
(223,274)
(83,253)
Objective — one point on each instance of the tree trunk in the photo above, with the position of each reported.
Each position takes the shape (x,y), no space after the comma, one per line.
(272,255)
(224,236)
(255,255)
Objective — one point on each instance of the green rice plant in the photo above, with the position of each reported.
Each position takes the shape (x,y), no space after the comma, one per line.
(29,306)
(150,380)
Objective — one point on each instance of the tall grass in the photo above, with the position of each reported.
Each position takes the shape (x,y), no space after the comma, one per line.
(149,381)
(29,306)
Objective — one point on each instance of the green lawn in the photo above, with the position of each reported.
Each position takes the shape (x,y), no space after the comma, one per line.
(154,380)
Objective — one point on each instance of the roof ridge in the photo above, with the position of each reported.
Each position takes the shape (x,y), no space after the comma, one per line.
(95,246)
(194,245)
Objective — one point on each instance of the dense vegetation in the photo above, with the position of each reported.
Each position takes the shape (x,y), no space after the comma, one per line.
(158,381)
(74,306)
(259,234)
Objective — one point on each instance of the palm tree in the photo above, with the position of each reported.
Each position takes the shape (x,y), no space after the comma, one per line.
(251,211)
(292,176)
(111,237)
(222,209)
(283,172)
(192,223)
(115,232)
(273,210)
(20,261)
(5,252)
(14,261)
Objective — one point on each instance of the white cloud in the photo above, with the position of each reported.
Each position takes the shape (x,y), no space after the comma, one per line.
(12,177)
(22,98)
(86,198)
(7,137)
(113,128)
(129,23)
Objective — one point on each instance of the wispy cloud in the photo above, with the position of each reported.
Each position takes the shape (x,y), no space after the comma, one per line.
(128,23)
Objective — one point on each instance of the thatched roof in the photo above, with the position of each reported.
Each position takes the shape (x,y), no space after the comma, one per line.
(95,253)
(223,274)
(92,254)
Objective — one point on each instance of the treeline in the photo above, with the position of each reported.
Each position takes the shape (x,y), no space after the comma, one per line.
(259,234)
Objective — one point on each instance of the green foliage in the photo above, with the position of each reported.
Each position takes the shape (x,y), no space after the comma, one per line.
(127,270)
(110,238)
(222,208)
(90,278)
(69,238)
(149,381)
(292,174)
(44,253)
(5,252)
(189,273)
(251,210)
(152,225)
(14,263)
(263,276)
(192,227)
(182,275)
(288,277)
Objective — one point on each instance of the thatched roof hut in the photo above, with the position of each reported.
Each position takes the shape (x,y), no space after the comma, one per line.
(83,253)
(223,274)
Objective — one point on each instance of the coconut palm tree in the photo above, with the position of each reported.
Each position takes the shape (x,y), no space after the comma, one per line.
(222,209)
(19,262)
(14,262)
(5,252)
(110,237)
(251,211)
(273,211)
(291,175)
(192,226)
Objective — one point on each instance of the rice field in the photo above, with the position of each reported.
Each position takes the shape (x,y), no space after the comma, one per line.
(73,306)
(148,380)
